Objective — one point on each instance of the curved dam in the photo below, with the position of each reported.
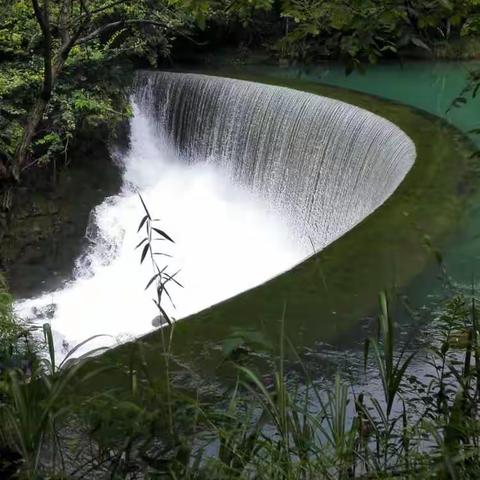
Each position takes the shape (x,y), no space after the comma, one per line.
(323,163)
(248,179)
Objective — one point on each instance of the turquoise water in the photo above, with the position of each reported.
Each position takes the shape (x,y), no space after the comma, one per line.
(425,85)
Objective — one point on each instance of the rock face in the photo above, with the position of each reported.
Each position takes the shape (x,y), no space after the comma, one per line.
(42,225)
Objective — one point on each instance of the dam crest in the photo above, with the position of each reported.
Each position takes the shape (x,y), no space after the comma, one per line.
(323,163)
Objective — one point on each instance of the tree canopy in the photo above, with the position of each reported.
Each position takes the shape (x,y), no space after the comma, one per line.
(81,43)
(360,30)
(64,63)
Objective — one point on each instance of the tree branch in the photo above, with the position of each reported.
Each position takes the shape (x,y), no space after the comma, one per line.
(62,22)
(43,19)
(39,15)
(89,13)
(116,25)
(84,7)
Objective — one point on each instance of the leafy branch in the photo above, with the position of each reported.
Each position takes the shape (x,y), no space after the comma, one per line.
(161,277)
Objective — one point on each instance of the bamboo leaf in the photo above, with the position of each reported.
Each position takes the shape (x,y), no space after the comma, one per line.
(172,278)
(152,280)
(145,207)
(141,243)
(142,223)
(144,252)
(163,234)
(47,332)
(168,295)
(78,346)
(163,312)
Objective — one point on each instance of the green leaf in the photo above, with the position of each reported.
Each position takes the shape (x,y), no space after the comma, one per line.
(420,43)
(142,223)
(145,207)
(152,280)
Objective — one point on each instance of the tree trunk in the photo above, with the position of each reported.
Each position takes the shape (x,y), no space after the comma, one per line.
(23,149)
(38,109)
(35,116)
(3,171)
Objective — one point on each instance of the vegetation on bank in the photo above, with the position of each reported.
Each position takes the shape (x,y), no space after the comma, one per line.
(274,421)
(412,411)
(64,64)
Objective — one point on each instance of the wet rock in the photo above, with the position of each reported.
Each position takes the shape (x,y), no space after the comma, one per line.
(45,313)
(43,231)
(159,321)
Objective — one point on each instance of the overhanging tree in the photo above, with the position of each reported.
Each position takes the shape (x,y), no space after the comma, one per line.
(68,26)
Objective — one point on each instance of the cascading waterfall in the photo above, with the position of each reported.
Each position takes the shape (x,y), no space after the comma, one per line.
(323,163)
(248,179)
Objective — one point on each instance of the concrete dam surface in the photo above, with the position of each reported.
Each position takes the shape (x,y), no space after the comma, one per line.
(248,179)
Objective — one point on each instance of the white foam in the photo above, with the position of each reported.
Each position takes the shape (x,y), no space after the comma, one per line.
(226,241)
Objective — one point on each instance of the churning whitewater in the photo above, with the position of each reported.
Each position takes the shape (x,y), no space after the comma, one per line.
(248,179)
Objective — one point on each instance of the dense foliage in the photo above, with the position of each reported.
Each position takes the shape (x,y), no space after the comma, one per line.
(370,29)
(64,63)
